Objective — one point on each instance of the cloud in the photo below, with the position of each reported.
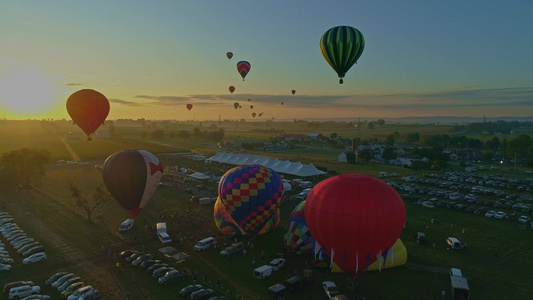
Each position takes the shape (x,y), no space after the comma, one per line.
(73,84)
(124,102)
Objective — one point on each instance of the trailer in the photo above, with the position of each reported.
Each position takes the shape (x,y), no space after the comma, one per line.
(460,289)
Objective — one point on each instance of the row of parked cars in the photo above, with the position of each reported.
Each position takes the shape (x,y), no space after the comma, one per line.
(26,246)
(164,273)
(72,287)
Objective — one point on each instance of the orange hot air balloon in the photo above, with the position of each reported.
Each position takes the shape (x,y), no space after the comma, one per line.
(189,106)
(232,89)
(88,109)
(293,92)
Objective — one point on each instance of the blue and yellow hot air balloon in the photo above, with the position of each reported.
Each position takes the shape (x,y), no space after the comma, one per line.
(251,194)
(298,237)
(342,46)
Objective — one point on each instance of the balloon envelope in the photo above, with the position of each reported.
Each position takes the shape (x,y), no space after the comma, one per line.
(293,92)
(236,105)
(342,46)
(253,115)
(231,89)
(88,109)
(229,55)
(243,67)
(297,236)
(251,194)
(225,224)
(189,106)
(132,176)
(356,217)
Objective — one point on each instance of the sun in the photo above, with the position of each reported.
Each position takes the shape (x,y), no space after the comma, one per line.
(27,91)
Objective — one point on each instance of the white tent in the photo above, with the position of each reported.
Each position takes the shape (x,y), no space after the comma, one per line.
(285,166)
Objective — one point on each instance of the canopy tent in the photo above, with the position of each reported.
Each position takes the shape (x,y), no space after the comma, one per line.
(199,175)
(280,166)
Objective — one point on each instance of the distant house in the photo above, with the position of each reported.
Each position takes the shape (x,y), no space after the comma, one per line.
(405,160)
(344,156)
(317,136)
(294,137)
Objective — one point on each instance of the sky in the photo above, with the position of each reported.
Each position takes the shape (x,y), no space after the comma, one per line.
(151,58)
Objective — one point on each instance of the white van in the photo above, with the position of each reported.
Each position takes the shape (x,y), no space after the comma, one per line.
(164,237)
(205,244)
(20,292)
(126,225)
(263,272)
(303,194)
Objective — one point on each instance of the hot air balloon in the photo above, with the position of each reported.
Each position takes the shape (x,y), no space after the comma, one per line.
(254,114)
(293,92)
(342,46)
(189,106)
(231,89)
(248,99)
(243,67)
(251,194)
(223,220)
(229,55)
(236,105)
(297,236)
(251,106)
(355,218)
(132,177)
(88,109)
(281,103)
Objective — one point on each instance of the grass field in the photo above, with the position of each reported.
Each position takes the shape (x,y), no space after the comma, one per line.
(74,244)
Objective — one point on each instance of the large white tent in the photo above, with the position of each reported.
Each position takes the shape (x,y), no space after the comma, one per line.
(280,166)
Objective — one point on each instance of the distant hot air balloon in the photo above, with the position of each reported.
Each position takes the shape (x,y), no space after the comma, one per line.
(88,109)
(189,106)
(251,194)
(240,106)
(356,218)
(248,99)
(231,89)
(243,67)
(293,92)
(298,237)
(281,103)
(132,176)
(236,105)
(341,46)
(253,115)
(229,55)
(251,106)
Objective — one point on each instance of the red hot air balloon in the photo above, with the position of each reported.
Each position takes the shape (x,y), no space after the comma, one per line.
(293,92)
(243,67)
(355,218)
(88,109)
(231,89)
(189,106)
(132,176)
(229,55)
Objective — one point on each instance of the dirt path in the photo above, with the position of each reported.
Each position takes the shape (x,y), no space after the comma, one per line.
(73,154)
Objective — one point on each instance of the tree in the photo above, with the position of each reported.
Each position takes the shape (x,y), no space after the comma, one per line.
(333,135)
(22,165)
(89,204)
(413,137)
(157,134)
(389,154)
(389,140)
(370,125)
(366,154)
(381,122)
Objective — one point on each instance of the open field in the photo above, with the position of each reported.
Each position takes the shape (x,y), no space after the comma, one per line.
(73,244)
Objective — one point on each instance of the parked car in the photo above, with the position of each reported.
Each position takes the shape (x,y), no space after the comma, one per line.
(153,267)
(186,291)
(127,253)
(420,238)
(523,219)
(37,297)
(233,249)
(331,290)
(32,250)
(80,292)
(13,284)
(454,243)
(27,246)
(72,288)
(159,272)
(202,294)
(147,263)
(500,215)
(39,256)
(142,258)
(277,263)
(490,214)
(62,279)
(94,294)
(6,260)
(134,256)
(54,277)
(172,276)
(67,283)
(4,267)
(20,292)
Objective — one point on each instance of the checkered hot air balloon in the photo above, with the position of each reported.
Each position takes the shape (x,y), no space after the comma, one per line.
(297,236)
(251,194)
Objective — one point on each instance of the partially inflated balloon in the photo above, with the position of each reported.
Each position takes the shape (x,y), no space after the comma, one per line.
(88,109)
(223,220)
(298,237)
(243,67)
(231,89)
(229,55)
(189,106)
(356,218)
(341,46)
(132,176)
(251,194)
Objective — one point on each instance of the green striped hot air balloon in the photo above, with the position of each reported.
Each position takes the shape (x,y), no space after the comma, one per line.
(341,46)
